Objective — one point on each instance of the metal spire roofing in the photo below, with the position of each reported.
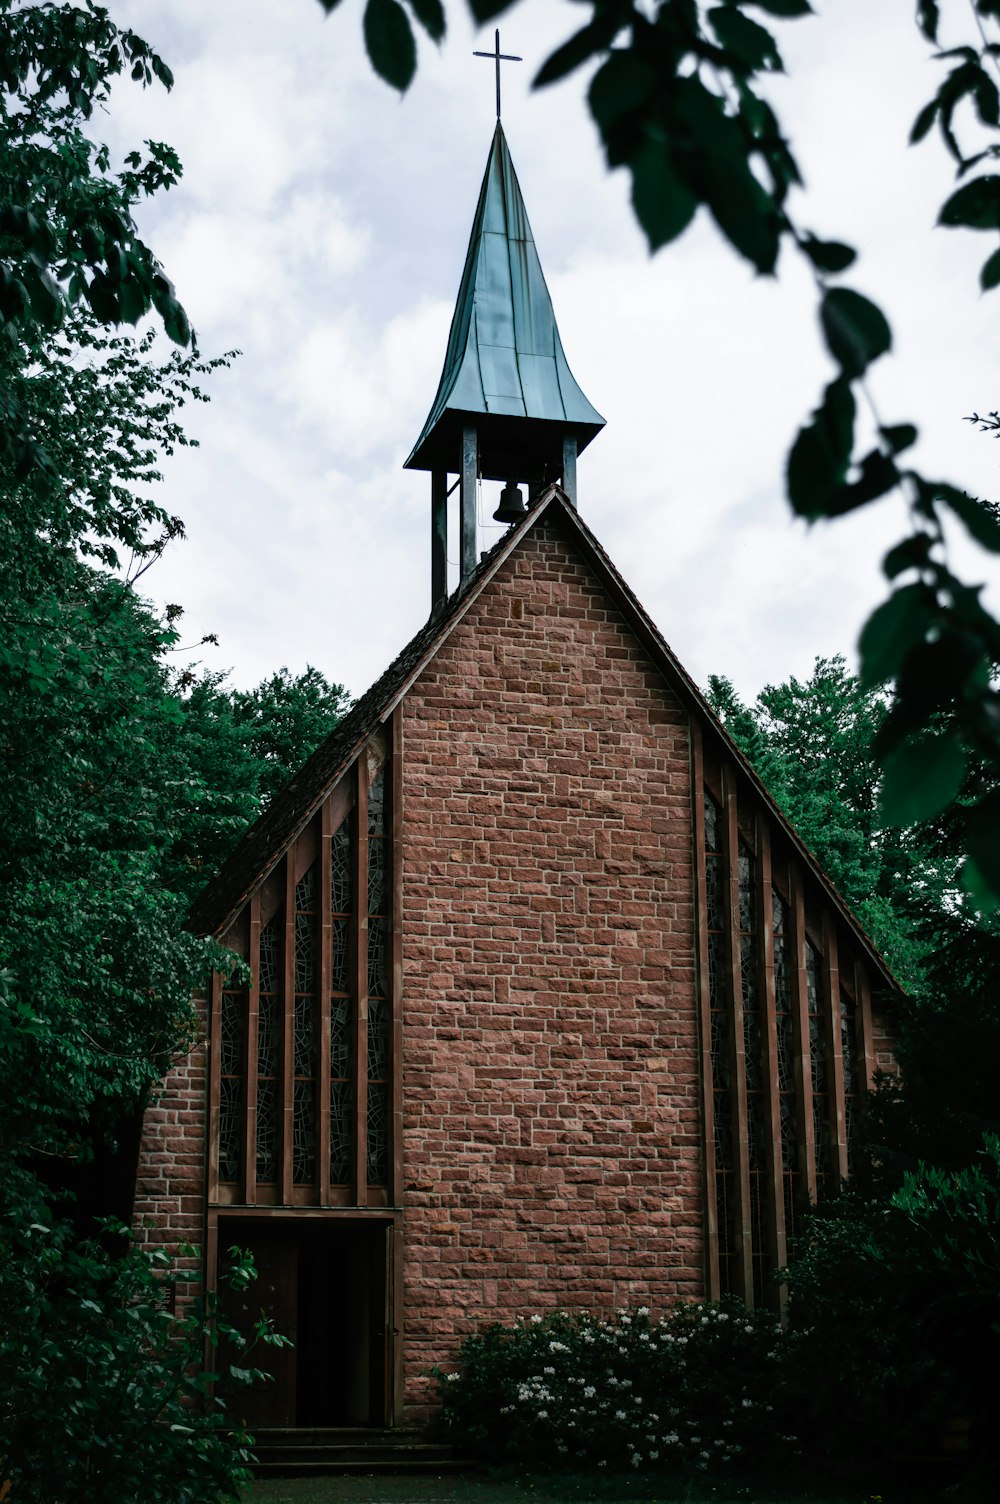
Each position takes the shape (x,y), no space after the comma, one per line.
(504,356)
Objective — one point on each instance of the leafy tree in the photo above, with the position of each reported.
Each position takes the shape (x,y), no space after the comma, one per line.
(114,778)
(676,100)
(813,743)
(67,232)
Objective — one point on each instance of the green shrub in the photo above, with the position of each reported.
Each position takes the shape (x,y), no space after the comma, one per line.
(104,1391)
(699,1389)
(895,1321)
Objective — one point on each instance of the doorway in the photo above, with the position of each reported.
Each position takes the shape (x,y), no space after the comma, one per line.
(324,1282)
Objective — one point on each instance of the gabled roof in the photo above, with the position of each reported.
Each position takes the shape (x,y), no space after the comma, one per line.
(291,809)
(504,356)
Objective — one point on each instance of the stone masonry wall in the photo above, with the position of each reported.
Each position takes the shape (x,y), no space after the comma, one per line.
(170,1188)
(551,1117)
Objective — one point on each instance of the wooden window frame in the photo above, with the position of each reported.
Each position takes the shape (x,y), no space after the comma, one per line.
(276,893)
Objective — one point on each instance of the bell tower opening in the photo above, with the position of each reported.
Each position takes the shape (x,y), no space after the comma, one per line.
(508,407)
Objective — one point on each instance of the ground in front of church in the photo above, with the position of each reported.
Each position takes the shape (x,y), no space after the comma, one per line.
(475,1488)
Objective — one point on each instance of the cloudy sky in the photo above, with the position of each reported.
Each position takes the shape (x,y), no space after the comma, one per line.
(321,228)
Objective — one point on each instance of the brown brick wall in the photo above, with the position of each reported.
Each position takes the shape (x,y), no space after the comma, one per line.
(170,1189)
(551,1133)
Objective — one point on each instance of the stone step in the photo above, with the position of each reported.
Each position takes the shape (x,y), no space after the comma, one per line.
(325,1449)
(308,1436)
(325,1469)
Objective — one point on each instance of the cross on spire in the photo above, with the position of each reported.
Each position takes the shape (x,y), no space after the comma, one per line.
(499,57)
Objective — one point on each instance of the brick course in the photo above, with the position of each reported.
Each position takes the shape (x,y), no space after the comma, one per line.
(170,1187)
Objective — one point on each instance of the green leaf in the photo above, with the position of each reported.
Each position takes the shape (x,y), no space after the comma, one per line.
(485,10)
(751,46)
(990,273)
(899,436)
(821,455)
(785,8)
(856,330)
(430,14)
(878,475)
(927,18)
(912,553)
(622,85)
(133,301)
(664,205)
(921,777)
(976,206)
(828,255)
(175,322)
(580,47)
(103,299)
(982,839)
(980,518)
(721,174)
(984,894)
(923,122)
(389,42)
(892,629)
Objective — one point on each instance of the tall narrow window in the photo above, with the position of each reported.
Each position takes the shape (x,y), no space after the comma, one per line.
(753,1055)
(785,1031)
(721,1042)
(818,1065)
(849,1051)
(269,1014)
(341,1019)
(232,1069)
(304,1032)
(377,1156)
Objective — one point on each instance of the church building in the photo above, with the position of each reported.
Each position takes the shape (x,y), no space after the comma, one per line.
(549,1007)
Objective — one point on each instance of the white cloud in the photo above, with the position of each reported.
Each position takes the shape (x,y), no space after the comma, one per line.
(321,226)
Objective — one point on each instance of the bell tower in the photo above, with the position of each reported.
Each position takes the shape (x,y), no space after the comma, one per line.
(508,407)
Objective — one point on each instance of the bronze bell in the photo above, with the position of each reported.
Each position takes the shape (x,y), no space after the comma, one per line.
(511,507)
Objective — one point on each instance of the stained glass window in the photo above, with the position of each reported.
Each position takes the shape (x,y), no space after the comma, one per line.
(376,805)
(232,1056)
(341,1093)
(720,1015)
(818,1068)
(341,874)
(378,985)
(304,1026)
(849,1051)
(268,1052)
(378,1134)
(756,1080)
(306,1002)
(785,1032)
(341,1006)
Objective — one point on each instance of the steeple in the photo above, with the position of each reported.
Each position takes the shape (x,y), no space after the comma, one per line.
(507,407)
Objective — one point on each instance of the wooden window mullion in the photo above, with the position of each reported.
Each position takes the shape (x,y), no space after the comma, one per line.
(704,1013)
(287,1024)
(862,991)
(769,1045)
(361,984)
(395,854)
(800,1009)
(741,1156)
(253,1014)
(214,1076)
(831,1020)
(325,933)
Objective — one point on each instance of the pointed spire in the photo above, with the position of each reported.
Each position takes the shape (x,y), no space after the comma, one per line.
(505,373)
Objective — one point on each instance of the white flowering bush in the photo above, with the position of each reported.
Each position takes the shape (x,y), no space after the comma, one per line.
(701,1389)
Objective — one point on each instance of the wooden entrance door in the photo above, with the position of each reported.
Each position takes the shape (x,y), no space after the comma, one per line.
(274,1293)
(325,1284)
